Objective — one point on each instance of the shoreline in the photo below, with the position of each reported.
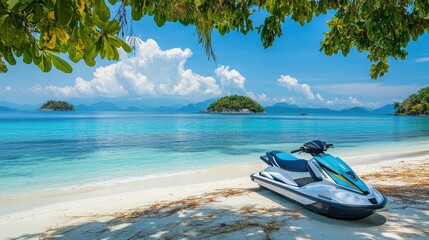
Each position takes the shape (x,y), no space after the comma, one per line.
(92,210)
(358,160)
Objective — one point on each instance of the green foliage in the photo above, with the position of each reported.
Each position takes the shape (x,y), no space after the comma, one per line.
(84,29)
(235,103)
(52,105)
(39,31)
(415,104)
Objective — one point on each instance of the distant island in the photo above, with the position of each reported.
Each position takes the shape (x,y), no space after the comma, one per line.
(105,105)
(235,105)
(52,105)
(416,104)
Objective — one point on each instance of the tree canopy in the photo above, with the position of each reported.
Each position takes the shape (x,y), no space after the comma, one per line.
(415,104)
(37,31)
(52,105)
(235,104)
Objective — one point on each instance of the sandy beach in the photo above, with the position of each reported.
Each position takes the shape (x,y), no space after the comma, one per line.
(232,208)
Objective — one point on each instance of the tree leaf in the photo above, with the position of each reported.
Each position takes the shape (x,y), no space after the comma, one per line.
(9,34)
(115,42)
(63,12)
(111,51)
(3,67)
(62,35)
(136,14)
(112,27)
(126,47)
(8,56)
(159,20)
(12,3)
(101,10)
(89,61)
(61,64)
(45,64)
(27,56)
(80,5)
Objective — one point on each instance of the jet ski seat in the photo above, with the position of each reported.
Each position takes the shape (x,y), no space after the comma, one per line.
(287,161)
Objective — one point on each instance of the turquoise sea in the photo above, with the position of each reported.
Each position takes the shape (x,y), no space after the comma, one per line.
(48,151)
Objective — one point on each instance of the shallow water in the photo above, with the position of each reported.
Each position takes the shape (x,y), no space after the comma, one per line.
(48,151)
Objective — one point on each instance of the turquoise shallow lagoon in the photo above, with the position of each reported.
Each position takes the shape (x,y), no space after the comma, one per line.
(48,151)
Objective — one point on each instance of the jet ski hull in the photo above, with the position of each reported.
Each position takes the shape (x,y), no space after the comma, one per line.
(322,204)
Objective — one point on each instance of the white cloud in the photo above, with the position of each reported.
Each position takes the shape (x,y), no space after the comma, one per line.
(7,89)
(150,72)
(372,89)
(312,99)
(422,59)
(292,84)
(350,102)
(230,78)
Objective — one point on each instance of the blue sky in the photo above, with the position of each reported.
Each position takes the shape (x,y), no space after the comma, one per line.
(170,64)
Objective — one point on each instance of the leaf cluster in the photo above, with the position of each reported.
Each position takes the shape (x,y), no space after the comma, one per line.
(39,30)
(235,103)
(415,104)
(52,105)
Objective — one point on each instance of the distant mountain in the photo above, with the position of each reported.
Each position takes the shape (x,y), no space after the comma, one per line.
(123,103)
(295,110)
(285,105)
(166,109)
(388,109)
(355,111)
(19,107)
(197,107)
(133,109)
(284,108)
(100,106)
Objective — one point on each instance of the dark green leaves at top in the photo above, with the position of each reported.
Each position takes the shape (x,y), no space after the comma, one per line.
(60,64)
(270,30)
(63,12)
(126,47)
(379,69)
(45,63)
(101,10)
(35,30)
(11,3)
(8,29)
(113,2)
(159,19)
(3,67)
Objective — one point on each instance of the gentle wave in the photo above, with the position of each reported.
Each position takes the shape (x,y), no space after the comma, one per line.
(124,180)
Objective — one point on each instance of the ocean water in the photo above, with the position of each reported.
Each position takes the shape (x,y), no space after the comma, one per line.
(48,151)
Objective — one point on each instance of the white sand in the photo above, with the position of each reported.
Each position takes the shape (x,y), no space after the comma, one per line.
(122,212)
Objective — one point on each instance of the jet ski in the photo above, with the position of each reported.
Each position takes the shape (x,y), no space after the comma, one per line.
(324,184)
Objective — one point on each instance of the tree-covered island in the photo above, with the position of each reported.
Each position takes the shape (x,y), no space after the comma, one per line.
(52,105)
(235,105)
(416,104)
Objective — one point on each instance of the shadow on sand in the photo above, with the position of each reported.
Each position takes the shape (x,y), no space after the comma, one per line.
(238,214)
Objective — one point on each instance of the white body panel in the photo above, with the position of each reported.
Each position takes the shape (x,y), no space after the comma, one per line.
(325,189)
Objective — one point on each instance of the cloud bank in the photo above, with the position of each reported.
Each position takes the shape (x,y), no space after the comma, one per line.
(292,84)
(315,99)
(154,72)
(151,72)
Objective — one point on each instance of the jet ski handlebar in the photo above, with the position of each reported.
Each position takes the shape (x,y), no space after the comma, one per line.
(308,148)
(298,150)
